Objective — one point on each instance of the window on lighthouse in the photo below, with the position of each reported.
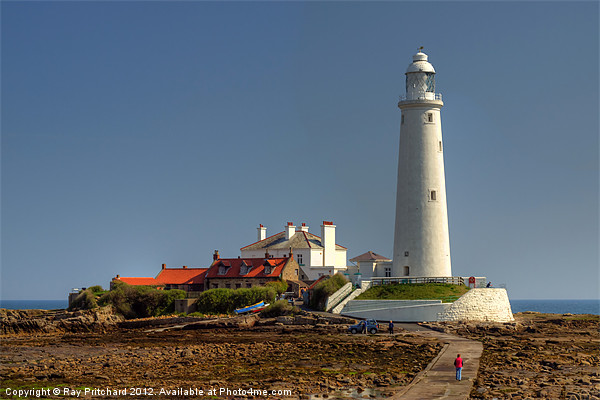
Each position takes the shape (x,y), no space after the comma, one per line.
(429,117)
(433,195)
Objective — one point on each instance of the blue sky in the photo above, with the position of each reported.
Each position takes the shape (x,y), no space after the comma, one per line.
(142,133)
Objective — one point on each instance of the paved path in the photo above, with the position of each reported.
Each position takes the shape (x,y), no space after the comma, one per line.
(438,380)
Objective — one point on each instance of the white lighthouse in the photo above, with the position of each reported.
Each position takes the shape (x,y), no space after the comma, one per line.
(421,240)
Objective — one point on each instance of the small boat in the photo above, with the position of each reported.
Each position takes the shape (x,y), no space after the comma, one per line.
(258,309)
(249,308)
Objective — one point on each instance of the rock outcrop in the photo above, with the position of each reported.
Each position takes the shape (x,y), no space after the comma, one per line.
(40,321)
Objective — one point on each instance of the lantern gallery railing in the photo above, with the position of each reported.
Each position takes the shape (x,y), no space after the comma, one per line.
(454,280)
(421,96)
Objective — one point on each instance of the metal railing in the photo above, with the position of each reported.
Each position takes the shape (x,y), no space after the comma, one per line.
(420,96)
(454,280)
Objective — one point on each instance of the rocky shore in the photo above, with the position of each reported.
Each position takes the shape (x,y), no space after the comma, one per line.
(305,354)
(14,322)
(539,356)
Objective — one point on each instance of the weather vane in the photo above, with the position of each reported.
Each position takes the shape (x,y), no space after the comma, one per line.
(420,48)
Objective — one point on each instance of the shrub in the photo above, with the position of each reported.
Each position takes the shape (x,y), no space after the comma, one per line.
(215,301)
(166,302)
(224,301)
(84,301)
(280,286)
(96,289)
(141,301)
(326,288)
(280,307)
(197,314)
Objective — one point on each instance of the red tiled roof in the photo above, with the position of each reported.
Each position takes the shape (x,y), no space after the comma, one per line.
(182,276)
(256,271)
(139,281)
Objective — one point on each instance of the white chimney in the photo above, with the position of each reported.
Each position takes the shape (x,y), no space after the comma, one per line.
(328,242)
(290,230)
(304,228)
(262,232)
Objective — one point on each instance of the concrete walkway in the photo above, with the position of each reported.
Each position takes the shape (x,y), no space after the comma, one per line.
(438,380)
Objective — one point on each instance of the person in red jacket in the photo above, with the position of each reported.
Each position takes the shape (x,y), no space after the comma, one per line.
(458,363)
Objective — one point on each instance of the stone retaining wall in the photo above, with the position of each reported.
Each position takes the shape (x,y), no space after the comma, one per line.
(488,304)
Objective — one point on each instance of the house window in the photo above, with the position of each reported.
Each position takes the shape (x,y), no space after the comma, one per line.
(388,272)
(433,196)
(238,285)
(299,256)
(406,271)
(267,270)
(406,254)
(227,286)
(244,269)
(215,285)
(248,285)
(296,271)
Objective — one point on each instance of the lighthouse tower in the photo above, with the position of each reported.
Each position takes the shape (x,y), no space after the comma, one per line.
(421,240)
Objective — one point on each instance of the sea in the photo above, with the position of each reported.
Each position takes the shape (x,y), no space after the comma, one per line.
(543,306)
(557,306)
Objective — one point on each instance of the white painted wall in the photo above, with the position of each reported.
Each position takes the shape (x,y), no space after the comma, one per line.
(397,310)
(340,258)
(367,269)
(489,304)
(290,230)
(328,242)
(316,258)
(262,233)
(380,268)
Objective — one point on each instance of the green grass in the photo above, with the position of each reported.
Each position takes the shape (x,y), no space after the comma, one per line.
(415,291)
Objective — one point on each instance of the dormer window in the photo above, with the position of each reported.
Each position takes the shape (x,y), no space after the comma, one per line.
(223,268)
(245,268)
(267,267)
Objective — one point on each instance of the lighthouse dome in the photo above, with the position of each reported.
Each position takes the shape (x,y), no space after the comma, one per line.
(420,64)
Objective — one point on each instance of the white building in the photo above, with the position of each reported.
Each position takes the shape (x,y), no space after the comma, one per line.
(421,240)
(371,265)
(316,255)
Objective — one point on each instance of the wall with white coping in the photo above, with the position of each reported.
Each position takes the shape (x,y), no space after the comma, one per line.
(395,310)
(338,309)
(338,296)
(488,304)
